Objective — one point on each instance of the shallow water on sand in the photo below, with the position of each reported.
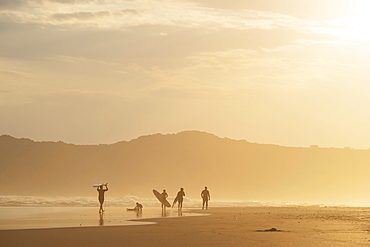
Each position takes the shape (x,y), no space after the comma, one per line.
(61,217)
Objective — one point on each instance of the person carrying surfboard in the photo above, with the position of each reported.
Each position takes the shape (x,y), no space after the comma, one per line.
(164,198)
(205,196)
(101,190)
(179,198)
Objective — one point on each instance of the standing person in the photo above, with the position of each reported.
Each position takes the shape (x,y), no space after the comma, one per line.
(164,197)
(206,197)
(101,190)
(180,198)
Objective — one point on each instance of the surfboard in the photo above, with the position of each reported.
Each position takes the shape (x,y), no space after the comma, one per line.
(161,199)
(174,201)
(131,209)
(98,185)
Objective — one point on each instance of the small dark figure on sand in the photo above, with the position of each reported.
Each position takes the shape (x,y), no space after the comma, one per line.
(101,190)
(206,197)
(138,207)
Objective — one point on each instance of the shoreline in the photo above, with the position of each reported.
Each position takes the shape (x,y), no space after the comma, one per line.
(130,200)
(237,226)
(26,218)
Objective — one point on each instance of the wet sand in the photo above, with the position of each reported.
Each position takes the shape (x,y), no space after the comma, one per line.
(248,226)
(22,218)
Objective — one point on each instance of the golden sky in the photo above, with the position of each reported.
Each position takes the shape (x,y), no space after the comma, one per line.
(288,72)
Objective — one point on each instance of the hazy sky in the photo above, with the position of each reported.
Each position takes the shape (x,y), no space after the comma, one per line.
(288,72)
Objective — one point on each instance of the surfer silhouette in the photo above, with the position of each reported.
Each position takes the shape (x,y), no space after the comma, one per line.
(138,207)
(180,198)
(164,198)
(101,190)
(206,197)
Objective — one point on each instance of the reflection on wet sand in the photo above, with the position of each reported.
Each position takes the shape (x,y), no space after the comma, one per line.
(164,212)
(139,213)
(101,219)
(79,217)
(179,212)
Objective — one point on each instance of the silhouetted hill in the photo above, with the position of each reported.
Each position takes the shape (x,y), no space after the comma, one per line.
(232,169)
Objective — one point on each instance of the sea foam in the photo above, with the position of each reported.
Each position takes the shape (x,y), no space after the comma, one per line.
(125,201)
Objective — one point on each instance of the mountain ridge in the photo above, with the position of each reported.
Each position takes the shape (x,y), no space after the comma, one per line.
(233,169)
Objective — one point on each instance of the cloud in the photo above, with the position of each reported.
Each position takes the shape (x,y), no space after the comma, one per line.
(86,15)
(321,9)
(183,93)
(16,4)
(124,15)
(83,15)
(111,15)
(11,72)
(29,4)
(143,45)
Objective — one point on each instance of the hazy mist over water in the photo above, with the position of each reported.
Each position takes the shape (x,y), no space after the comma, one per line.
(127,201)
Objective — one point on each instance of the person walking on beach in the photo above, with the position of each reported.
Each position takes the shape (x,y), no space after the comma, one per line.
(180,198)
(164,198)
(205,196)
(101,190)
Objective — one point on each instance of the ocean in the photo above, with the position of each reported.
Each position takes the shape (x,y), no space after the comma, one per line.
(126,201)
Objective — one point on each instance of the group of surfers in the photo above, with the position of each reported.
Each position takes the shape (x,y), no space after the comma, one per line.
(206,196)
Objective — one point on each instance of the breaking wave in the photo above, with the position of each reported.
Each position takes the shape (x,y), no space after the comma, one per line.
(126,201)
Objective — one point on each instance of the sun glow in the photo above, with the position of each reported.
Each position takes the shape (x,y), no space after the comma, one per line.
(359,23)
(362,8)
(356,27)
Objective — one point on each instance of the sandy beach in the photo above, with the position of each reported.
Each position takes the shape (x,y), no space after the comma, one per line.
(233,226)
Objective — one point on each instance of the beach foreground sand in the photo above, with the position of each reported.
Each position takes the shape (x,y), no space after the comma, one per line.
(238,226)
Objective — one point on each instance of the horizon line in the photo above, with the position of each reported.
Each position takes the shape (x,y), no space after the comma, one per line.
(177,133)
